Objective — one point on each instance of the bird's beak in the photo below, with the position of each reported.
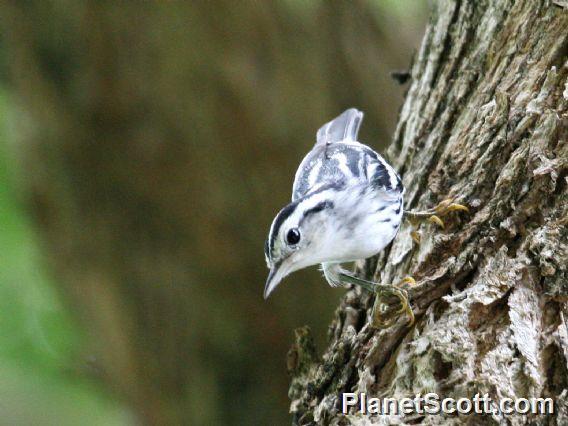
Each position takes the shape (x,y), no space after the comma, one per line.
(277,274)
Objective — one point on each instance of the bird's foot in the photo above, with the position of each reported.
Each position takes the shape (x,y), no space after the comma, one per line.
(382,315)
(433,215)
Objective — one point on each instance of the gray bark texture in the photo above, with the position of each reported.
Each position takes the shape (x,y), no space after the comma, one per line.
(484,121)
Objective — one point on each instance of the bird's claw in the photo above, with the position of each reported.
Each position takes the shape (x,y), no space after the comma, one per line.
(433,216)
(407,280)
(443,208)
(446,206)
(436,220)
(415,235)
(378,319)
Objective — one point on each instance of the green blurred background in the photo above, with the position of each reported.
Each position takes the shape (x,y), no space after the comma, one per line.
(145,148)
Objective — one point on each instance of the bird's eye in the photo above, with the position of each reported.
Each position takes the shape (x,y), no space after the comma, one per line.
(293,236)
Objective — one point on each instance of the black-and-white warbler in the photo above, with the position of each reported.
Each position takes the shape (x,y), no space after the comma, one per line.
(347,205)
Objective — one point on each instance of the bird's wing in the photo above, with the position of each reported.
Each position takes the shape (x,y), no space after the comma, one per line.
(335,156)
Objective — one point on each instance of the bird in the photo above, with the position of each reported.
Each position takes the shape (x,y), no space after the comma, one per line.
(347,205)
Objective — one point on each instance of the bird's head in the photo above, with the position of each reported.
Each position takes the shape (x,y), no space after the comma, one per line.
(298,237)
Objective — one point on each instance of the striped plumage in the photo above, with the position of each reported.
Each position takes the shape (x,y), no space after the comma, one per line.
(346,205)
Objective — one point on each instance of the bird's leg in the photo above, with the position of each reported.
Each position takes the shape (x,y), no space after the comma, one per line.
(433,215)
(382,291)
(348,278)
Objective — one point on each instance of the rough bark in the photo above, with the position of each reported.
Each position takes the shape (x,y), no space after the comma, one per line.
(484,121)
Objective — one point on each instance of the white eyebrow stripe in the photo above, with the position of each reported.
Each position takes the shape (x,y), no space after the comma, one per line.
(314,172)
(393,177)
(342,164)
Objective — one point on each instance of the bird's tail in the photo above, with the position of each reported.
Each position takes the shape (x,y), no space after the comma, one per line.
(343,127)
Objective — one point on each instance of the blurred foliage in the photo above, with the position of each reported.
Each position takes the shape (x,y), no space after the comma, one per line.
(39,380)
(155,143)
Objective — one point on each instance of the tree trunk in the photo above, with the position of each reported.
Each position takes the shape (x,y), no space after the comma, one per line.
(484,121)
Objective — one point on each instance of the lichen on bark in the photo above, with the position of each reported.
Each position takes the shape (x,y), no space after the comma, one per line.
(484,121)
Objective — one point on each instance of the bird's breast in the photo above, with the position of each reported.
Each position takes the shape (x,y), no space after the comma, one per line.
(368,226)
